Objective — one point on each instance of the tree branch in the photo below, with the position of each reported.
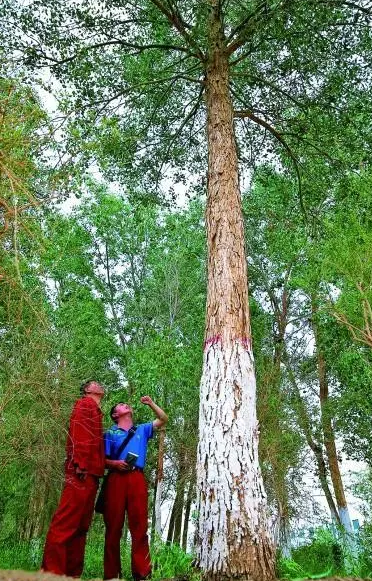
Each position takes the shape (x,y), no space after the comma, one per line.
(314,146)
(243,24)
(271,85)
(138,47)
(190,115)
(358,334)
(277,135)
(353,5)
(178,23)
(245,27)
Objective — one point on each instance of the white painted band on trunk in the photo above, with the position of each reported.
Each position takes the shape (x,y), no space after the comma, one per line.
(345,519)
(231,497)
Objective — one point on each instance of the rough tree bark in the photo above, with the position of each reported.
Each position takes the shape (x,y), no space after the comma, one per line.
(233,541)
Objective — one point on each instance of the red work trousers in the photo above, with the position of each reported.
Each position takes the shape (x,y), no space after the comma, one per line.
(126,492)
(65,542)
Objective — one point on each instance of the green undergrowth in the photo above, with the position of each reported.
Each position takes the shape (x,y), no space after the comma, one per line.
(168,561)
(325,554)
(328,554)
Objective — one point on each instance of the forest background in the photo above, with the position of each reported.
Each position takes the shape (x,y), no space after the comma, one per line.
(116,287)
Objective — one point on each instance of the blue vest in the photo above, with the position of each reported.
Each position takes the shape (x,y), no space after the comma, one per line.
(137,445)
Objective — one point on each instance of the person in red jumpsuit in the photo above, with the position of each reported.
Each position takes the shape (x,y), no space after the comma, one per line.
(85,463)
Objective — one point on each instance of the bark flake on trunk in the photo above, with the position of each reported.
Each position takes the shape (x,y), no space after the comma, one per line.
(233,541)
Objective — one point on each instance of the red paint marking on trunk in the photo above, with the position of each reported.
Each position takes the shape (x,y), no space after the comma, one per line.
(246,342)
(212,341)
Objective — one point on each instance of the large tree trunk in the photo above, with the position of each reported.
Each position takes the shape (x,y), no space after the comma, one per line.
(328,433)
(232,536)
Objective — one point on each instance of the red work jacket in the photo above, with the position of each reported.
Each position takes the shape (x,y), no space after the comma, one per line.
(84,446)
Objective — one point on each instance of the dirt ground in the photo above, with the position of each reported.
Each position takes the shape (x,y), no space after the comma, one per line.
(35,576)
(32,576)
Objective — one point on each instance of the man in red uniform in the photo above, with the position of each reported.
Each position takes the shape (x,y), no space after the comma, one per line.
(126,488)
(65,542)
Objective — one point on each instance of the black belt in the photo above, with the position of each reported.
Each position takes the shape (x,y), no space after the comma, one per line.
(131,469)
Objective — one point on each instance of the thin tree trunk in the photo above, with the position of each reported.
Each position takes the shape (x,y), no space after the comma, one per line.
(112,299)
(277,460)
(328,432)
(170,534)
(180,495)
(159,483)
(284,532)
(175,523)
(232,535)
(153,514)
(179,504)
(186,520)
(330,445)
(305,424)
(280,465)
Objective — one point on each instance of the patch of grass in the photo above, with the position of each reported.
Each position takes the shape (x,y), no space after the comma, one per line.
(289,569)
(168,561)
(17,555)
(322,556)
(328,555)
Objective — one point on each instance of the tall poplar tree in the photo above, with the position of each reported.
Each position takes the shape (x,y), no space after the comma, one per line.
(154,89)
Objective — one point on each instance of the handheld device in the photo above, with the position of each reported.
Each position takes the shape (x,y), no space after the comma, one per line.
(131,458)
